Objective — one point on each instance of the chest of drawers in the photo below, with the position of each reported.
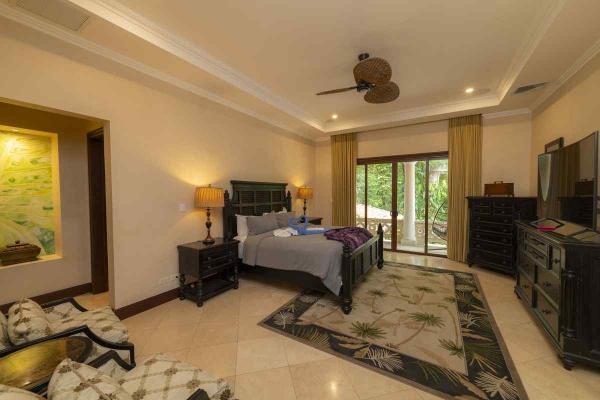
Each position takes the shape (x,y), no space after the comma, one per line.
(558,281)
(492,242)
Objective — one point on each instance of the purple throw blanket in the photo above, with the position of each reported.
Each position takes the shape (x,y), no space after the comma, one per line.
(351,237)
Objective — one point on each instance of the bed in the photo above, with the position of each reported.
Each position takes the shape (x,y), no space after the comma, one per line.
(334,264)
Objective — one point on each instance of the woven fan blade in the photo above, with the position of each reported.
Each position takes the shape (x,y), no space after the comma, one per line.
(383,93)
(336,90)
(373,70)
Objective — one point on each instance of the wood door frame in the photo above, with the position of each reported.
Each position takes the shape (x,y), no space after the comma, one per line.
(394,160)
(97,207)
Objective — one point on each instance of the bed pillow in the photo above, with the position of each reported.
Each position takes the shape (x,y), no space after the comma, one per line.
(4,342)
(262,224)
(284,218)
(27,321)
(242,225)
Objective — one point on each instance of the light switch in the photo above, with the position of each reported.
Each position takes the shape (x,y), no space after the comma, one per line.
(183,207)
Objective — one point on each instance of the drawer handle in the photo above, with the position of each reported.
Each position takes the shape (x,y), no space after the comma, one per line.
(556,260)
(546,284)
(546,311)
(525,286)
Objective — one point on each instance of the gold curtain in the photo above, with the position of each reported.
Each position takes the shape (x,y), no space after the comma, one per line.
(343,175)
(464,168)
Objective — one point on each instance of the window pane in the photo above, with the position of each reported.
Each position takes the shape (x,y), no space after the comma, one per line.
(379,200)
(438,206)
(411,206)
(360,195)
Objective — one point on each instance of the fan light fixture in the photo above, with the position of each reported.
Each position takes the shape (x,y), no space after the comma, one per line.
(469,90)
(371,75)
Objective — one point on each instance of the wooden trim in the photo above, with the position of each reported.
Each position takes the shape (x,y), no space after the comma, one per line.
(402,158)
(53,296)
(147,304)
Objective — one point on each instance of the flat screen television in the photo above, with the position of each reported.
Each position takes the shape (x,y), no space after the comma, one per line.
(568,183)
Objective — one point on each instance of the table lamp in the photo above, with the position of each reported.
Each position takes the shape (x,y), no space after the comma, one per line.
(209,197)
(305,193)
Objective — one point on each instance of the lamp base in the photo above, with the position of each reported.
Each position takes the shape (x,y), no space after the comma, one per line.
(208,240)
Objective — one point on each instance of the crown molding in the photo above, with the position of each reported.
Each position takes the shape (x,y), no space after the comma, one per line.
(586,57)
(57,32)
(525,51)
(507,113)
(488,100)
(127,19)
(136,24)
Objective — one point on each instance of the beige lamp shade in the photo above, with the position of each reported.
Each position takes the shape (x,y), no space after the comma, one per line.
(305,193)
(209,197)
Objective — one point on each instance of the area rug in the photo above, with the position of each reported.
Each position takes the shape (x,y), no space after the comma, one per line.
(428,327)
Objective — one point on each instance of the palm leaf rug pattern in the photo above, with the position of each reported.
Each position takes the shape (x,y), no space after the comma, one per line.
(424,326)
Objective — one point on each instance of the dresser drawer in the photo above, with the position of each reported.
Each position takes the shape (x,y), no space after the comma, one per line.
(503,211)
(482,210)
(210,255)
(526,286)
(503,202)
(491,237)
(535,256)
(492,219)
(548,313)
(549,283)
(537,244)
(526,265)
(500,249)
(490,227)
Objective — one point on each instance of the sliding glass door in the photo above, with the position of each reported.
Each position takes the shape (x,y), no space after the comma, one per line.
(408,195)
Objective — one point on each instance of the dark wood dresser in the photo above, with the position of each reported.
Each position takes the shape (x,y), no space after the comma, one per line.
(492,240)
(558,281)
(213,269)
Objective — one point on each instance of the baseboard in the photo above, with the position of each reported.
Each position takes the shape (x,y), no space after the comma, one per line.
(147,304)
(57,295)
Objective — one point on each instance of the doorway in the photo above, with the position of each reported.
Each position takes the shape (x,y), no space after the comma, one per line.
(408,195)
(97,200)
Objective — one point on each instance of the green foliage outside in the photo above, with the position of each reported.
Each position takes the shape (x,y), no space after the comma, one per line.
(380,192)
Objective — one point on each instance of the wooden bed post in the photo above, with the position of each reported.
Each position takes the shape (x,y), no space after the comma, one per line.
(380,246)
(347,274)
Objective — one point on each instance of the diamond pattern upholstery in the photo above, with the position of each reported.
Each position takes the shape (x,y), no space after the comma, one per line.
(12,393)
(74,381)
(102,321)
(164,378)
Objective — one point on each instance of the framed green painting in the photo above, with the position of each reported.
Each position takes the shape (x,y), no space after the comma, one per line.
(29,189)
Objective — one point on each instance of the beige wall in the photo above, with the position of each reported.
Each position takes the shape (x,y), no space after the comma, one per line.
(573,112)
(162,144)
(73,265)
(506,150)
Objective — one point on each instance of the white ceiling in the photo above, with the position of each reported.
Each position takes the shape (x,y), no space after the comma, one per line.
(268,58)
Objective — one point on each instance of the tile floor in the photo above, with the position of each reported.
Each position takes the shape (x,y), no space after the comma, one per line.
(222,337)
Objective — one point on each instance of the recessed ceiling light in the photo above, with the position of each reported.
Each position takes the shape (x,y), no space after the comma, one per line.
(469,90)
(334,116)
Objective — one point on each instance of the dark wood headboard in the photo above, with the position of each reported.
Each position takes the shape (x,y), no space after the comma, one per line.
(253,198)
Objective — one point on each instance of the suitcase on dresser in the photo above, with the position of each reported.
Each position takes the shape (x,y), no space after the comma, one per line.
(492,240)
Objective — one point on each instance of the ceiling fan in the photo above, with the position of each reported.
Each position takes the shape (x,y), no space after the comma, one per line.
(373,76)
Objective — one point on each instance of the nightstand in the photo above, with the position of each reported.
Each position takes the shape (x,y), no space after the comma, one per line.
(213,269)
